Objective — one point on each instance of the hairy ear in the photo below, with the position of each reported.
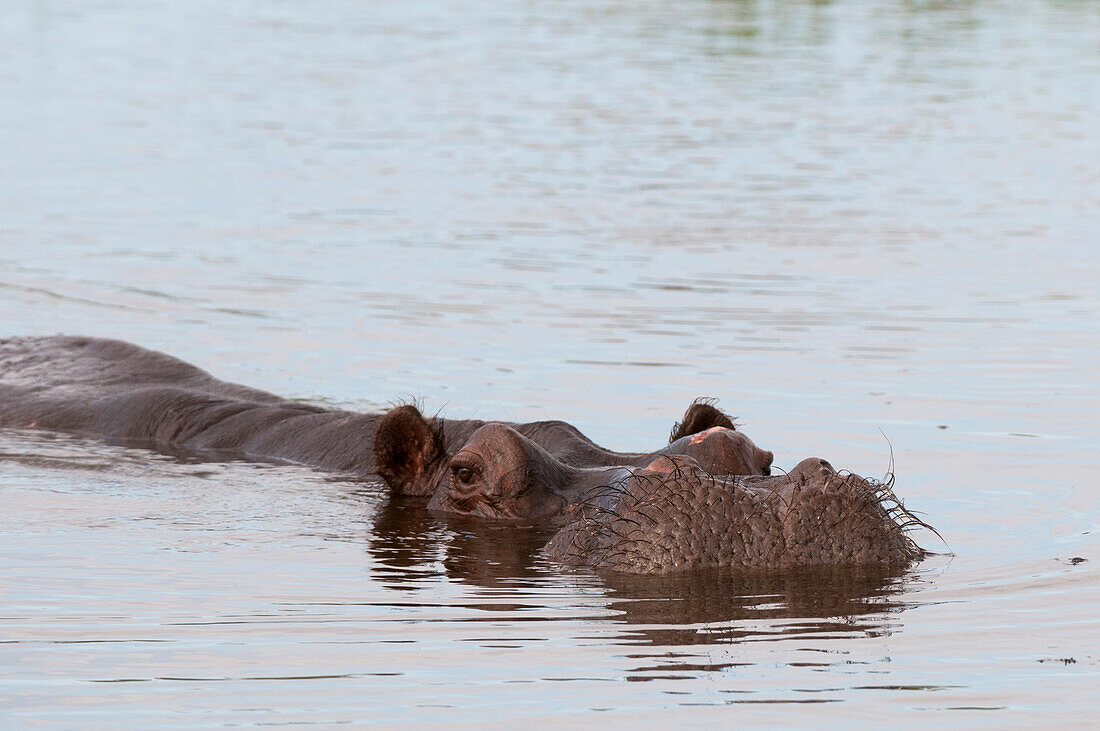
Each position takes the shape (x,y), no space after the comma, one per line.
(404,445)
(700,416)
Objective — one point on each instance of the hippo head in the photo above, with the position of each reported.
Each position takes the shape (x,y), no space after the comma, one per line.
(723,451)
(418,456)
(499,473)
(413,454)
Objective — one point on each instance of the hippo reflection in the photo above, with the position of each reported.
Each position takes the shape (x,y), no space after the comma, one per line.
(407,545)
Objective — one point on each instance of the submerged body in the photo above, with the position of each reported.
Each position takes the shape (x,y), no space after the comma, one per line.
(121,392)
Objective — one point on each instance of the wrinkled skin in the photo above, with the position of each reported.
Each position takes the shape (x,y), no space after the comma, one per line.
(414,456)
(686,519)
(127,394)
(671,515)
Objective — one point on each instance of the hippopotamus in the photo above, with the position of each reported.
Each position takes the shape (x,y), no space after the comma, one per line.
(672,515)
(707,499)
(128,394)
(416,458)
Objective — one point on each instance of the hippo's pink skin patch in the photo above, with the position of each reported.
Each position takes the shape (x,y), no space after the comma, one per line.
(663,464)
(695,439)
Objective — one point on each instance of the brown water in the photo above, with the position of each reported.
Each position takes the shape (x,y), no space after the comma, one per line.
(839,218)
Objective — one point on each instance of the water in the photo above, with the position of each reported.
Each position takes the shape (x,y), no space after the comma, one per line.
(839,218)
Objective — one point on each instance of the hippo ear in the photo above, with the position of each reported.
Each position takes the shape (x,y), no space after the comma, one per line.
(404,445)
(700,416)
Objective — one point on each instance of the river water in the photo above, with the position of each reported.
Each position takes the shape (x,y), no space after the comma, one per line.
(870,229)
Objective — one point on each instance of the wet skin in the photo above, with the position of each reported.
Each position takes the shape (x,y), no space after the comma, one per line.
(499,473)
(413,453)
(127,394)
(671,515)
(687,519)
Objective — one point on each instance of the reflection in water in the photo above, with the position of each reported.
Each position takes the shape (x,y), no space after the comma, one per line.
(405,542)
(408,545)
(738,607)
(682,616)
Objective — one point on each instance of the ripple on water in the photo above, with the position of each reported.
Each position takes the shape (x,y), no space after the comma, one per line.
(839,218)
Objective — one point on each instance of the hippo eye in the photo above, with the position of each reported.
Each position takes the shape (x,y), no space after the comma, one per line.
(465,475)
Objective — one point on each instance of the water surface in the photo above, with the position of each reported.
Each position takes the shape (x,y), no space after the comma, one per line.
(846,220)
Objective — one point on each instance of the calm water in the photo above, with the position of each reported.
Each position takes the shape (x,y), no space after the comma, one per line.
(839,218)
